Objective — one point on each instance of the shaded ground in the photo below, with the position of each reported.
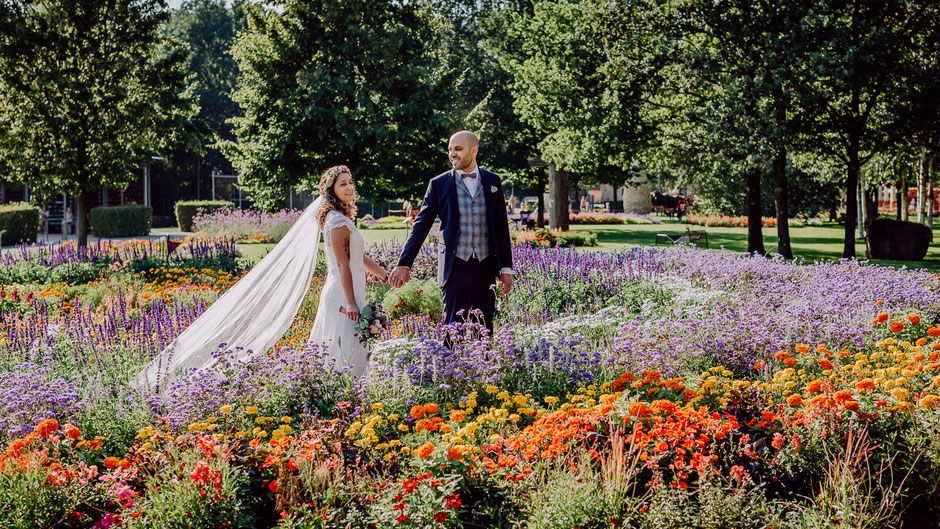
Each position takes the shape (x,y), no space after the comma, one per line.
(810,243)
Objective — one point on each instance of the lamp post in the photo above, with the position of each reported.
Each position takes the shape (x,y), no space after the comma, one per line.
(538,163)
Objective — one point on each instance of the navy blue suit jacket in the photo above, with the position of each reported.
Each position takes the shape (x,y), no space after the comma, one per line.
(440,201)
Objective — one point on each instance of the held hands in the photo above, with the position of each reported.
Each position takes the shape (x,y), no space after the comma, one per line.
(399,276)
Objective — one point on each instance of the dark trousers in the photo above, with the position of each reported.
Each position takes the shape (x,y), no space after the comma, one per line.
(468,288)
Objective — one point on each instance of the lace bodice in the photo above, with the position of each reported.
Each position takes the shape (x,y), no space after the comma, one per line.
(335,219)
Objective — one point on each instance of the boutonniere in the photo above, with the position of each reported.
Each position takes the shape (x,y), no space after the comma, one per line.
(492,189)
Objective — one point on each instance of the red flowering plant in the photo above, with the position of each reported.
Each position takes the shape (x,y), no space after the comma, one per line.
(427,500)
(45,480)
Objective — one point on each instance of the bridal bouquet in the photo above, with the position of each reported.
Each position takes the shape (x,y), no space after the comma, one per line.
(372,321)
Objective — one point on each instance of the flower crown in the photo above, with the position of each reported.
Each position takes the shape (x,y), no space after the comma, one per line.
(330,176)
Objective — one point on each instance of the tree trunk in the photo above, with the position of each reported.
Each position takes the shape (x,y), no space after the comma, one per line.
(902,194)
(781,198)
(81,222)
(851,201)
(862,213)
(755,238)
(921,185)
(781,202)
(540,220)
(558,190)
(930,194)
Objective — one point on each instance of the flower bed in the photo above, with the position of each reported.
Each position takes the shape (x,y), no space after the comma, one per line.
(246,225)
(644,388)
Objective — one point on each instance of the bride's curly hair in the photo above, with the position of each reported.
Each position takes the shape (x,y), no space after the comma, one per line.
(332,202)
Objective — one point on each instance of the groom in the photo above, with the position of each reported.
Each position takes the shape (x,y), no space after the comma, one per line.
(476,251)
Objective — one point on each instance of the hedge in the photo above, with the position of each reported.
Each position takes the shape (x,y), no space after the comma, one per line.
(20,221)
(121,221)
(187,209)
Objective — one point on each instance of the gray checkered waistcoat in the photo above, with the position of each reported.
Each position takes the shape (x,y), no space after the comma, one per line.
(473,238)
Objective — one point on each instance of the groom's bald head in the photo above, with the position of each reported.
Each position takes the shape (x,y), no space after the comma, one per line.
(462,150)
(465,136)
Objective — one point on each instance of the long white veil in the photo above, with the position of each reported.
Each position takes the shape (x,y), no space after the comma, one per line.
(253,314)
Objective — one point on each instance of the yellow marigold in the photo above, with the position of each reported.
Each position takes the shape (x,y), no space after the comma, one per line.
(929,402)
(492,389)
(225,409)
(424,451)
(551,400)
(900,394)
(905,407)
(251,410)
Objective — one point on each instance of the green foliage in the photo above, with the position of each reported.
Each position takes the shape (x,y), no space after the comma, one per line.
(416,298)
(19,222)
(187,209)
(552,238)
(339,81)
(577,61)
(89,90)
(121,221)
(194,491)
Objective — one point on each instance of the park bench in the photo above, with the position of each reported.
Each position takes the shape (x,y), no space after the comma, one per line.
(688,237)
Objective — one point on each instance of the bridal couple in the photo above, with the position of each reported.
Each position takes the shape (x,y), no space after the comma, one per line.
(255,312)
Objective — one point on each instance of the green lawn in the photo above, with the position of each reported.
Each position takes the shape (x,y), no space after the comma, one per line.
(810,243)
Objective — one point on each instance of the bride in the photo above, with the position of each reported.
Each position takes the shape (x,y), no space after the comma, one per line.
(346,264)
(255,312)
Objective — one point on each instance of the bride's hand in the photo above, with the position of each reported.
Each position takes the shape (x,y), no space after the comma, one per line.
(352,311)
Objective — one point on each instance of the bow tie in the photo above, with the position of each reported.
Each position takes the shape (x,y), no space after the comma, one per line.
(468,175)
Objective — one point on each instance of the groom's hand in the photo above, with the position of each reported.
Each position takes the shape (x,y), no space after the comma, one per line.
(399,276)
(506,280)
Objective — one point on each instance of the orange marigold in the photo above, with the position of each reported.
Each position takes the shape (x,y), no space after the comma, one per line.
(424,451)
(790,362)
(865,384)
(457,415)
(825,364)
(795,400)
(913,318)
(920,341)
(111,462)
(455,452)
(815,386)
(882,317)
(802,348)
(639,409)
(431,408)
(934,331)
(665,406)
(843,395)
(851,405)
(47,427)
(71,431)
(896,326)
(417,411)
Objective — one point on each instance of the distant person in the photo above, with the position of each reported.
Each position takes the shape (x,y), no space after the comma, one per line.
(512,204)
(69,222)
(584,204)
(44,219)
(607,207)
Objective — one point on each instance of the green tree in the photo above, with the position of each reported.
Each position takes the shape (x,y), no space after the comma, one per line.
(338,82)
(207,28)
(867,65)
(580,80)
(738,65)
(87,90)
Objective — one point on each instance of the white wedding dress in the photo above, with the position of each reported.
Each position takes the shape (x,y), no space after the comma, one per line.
(331,326)
(255,312)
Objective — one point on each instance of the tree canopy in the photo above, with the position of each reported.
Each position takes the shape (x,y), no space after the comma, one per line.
(87,91)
